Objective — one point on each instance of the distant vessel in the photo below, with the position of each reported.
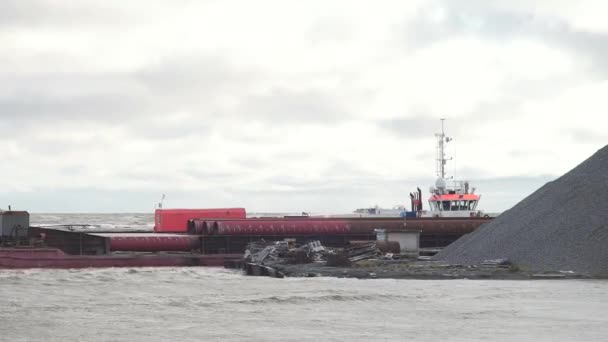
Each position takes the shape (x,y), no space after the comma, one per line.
(449,198)
(454,198)
(397,210)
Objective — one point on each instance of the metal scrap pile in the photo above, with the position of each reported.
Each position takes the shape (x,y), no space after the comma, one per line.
(262,252)
(282,252)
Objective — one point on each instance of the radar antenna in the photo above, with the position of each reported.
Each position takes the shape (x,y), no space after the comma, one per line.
(441,159)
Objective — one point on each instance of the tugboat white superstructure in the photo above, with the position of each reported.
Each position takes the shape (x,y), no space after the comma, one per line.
(450,198)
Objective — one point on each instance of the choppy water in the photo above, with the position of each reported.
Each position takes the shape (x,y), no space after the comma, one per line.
(206,304)
(109,222)
(96,221)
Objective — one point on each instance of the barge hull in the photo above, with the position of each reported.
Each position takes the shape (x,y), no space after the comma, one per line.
(55,258)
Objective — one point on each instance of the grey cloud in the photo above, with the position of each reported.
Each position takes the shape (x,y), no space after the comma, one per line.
(331,30)
(199,77)
(415,127)
(342,168)
(46,13)
(295,184)
(209,174)
(507,191)
(98,106)
(591,45)
(465,18)
(342,176)
(57,147)
(160,177)
(252,162)
(468,173)
(588,136)
(292,106)
(155,176)
(39,99)
(257,137)
(169,130)
(485,20)
(527,152)
(154,89)
(137,98)
(424,126)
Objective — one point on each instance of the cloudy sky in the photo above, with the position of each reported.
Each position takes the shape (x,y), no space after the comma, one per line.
(320,106)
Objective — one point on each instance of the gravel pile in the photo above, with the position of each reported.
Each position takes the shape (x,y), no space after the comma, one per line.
(563,226)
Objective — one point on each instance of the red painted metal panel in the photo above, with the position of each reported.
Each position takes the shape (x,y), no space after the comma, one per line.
(176,220)
(154,243)
(454,197)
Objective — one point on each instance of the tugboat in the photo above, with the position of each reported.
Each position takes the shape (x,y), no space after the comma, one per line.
(449,198)
(454,198)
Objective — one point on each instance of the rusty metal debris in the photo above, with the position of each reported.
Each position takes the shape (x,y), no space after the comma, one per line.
(363,251)
(261,256)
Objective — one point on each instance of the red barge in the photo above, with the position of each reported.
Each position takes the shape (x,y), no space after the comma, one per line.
(197,237)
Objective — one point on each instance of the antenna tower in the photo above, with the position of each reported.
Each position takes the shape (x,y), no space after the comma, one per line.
(442,140)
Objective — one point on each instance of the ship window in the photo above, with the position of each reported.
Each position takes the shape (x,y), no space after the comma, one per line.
(454,205)
(472,205)
(446,205)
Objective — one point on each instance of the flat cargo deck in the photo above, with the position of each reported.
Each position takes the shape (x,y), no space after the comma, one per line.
(55,258)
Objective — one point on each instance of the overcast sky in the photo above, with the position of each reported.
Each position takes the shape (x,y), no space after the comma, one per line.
(320,106)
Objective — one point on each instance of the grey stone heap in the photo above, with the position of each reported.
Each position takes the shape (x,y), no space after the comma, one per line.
(563,226)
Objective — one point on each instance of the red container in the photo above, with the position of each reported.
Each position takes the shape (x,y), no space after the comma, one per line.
(176,220)
(149,242)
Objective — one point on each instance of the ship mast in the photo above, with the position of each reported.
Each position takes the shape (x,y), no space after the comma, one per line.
(441,159)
